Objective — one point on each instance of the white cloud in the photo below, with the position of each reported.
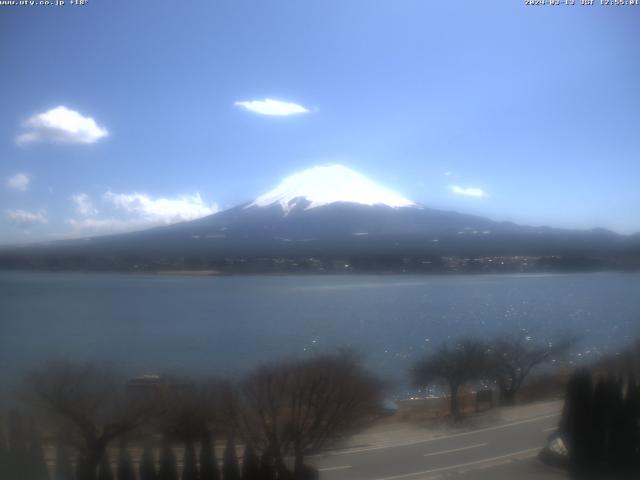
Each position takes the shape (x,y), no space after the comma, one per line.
(269,106)
(135,211)
(161,210)
(61,125)
(84,205)
(25,218)
(468,191)
(19,182)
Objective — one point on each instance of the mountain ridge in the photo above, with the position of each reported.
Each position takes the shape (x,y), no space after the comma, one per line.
(306,218)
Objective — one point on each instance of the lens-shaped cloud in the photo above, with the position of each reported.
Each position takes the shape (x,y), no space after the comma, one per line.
(269,106)
(467,191)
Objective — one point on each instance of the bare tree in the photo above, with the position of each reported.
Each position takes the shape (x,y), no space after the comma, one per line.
(330,397)
(512,359)
(454,365)
(302,407)
(89,402)
(184,414)
(198,411)
(625,363)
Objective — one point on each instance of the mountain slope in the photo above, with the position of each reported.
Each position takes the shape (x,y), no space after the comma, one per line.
(329,212)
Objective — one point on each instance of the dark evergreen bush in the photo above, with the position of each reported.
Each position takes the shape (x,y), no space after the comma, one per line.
(598,437)
(63,469)
(4,454)
(576,423)
(250,464)
(601,427)
(267,467)
(190,467)
(37,465)
(208,462)
(104,469)
(306,472)
(230,467)
(630,426)
(18,458)
(83,471)
(615,447)
(168,469)
(125,464)
(636,460)
(148,464)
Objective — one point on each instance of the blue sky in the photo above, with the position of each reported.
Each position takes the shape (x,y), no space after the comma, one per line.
(528,114)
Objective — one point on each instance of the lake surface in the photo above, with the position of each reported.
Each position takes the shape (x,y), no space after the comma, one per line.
(226,325)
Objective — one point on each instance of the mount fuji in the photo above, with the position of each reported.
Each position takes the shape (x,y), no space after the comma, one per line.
(323,185)
(329,212)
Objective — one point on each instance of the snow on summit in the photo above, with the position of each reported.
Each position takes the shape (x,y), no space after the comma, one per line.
(322,185)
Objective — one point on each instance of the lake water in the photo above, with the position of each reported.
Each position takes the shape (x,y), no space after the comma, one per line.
(226,325)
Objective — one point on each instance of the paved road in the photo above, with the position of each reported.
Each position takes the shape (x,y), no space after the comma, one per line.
(500,451)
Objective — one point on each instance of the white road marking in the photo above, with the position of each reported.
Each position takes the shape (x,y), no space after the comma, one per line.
(434,439)
(456,449)
(550,429)
(328,469)
(460,465)
(494,464)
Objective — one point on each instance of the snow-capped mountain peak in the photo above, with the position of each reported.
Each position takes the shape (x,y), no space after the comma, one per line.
(323,185)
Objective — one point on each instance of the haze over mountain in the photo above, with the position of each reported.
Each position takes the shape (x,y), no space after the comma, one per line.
(333,212)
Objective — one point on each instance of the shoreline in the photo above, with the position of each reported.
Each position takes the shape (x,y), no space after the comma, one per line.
(182,273)
(218,273)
